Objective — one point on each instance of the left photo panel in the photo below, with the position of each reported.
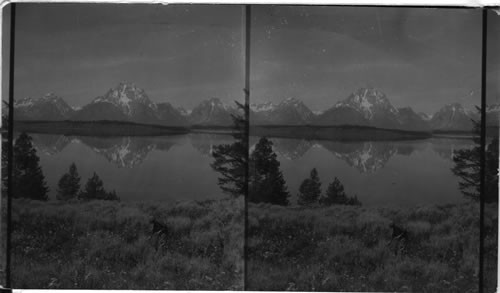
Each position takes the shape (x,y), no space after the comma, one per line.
(128,147)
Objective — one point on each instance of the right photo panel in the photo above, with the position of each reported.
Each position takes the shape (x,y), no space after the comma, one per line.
(364,144)
(490,227)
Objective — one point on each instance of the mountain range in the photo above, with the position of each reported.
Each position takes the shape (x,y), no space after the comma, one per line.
(364,107)
(369,107)
(125,102)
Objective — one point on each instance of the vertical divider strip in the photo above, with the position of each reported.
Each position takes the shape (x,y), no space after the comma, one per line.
(10,136)
(247,135)
(483,149)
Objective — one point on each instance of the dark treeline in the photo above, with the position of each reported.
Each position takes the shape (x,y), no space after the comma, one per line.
(266,182)
(28,180)
(69,187)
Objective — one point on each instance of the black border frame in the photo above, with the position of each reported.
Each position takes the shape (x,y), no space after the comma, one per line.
(247,37)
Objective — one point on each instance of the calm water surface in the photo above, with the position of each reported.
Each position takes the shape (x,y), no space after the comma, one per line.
(166,168)
(401,173)
(175,168)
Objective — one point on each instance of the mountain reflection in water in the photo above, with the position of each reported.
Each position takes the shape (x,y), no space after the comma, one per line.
(126,151)
(377,171)
(365,156)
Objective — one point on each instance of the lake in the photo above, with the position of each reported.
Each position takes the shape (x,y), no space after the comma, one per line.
(166,168)
(400,173)
(172,168)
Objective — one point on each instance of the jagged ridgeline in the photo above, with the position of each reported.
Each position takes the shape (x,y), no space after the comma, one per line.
(369,107)
(125,102)
(364,107)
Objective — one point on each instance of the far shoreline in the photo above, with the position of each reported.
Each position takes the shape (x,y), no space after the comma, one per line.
(321,132)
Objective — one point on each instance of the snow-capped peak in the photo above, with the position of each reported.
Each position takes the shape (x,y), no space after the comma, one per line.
(493,108)
(50,97)
(291,101)
(183,111)
(453,109)
(217,103)
(425,116)
(264,107)
(366,100)
(363,102)
(124,95)
(270,106)
(47,107)
(25,102)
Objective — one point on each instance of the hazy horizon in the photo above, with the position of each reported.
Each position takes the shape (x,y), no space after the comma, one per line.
(423,58)
(493,59)
(176,53)
(419,57)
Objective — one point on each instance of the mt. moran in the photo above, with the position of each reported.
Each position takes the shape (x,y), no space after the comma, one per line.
(127,102)
(367,107)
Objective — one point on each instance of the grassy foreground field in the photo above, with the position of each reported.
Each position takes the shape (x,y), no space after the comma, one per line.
(3,240)
(344,248)
(490,253)
(106,245)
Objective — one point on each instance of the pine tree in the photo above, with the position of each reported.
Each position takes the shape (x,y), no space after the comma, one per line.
(69,184)
(334,194)
(353,201)
(468,168)
(28,180)
(491,171)
(111,196)
(310,189)
(94,189)
(230,160)
(266,183)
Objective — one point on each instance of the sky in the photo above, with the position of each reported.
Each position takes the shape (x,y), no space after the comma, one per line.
(419,57)
(181,54)
(493,58)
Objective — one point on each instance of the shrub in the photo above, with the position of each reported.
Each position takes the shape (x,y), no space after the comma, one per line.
(94,190)
(335,195)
